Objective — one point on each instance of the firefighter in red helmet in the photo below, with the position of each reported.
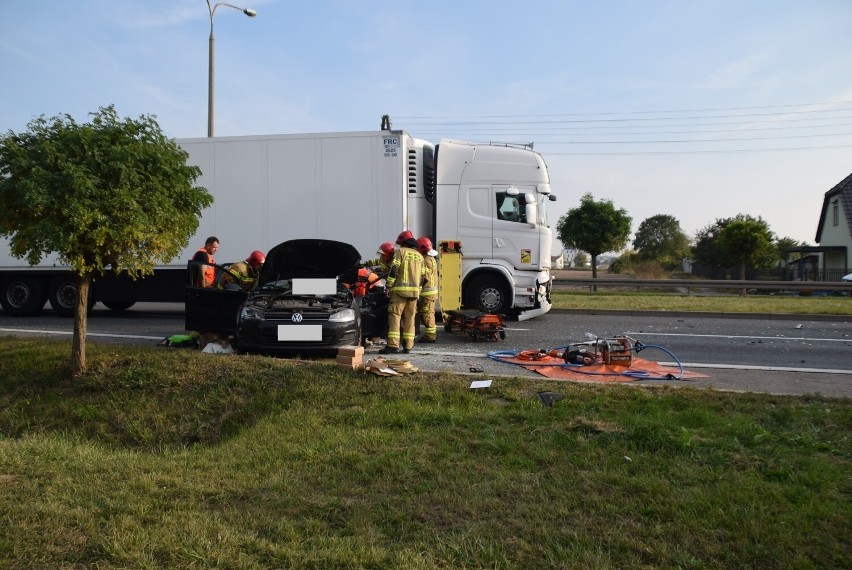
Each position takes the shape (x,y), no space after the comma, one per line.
(403,288)
(403,236)
(385,253)
(429,291)
(244,274)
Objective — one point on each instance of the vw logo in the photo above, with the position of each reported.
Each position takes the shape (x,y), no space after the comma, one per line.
(297,317)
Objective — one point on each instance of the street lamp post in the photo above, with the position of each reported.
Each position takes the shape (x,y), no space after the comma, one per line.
(210,63)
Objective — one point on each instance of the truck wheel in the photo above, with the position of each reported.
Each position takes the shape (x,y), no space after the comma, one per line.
(487,294)
(63,296)
(118,305)
(22,296)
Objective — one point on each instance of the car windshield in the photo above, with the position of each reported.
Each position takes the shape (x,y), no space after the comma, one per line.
(278,285)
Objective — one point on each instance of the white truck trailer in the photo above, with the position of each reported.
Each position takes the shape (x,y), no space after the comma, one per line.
(361,188)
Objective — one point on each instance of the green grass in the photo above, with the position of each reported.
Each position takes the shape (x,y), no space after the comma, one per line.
(825,305)
(169,458)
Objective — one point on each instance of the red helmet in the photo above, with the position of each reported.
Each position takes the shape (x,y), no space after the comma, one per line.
(404,236)
(256,259)
(386,249)
(424,245)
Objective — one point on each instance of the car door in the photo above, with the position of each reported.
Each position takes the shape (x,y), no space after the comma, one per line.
(211,309)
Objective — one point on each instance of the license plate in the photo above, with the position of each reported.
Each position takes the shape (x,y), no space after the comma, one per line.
(288,333)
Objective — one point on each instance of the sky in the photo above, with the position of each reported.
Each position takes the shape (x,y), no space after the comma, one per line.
(699,109)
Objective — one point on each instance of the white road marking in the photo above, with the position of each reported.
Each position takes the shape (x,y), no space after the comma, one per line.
(88,334)
(741,336)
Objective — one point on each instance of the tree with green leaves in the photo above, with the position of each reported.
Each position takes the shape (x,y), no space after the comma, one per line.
(706,249)
(595,227)
(748,241)
(661,239)
(111,194)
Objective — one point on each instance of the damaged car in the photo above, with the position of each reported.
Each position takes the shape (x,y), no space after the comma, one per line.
(302,302)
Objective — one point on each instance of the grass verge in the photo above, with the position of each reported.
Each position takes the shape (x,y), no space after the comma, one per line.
(764,304)
(168,458)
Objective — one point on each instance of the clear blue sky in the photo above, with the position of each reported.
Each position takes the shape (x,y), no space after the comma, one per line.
(697,109)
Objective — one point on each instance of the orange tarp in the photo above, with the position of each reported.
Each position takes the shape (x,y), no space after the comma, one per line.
(641,369)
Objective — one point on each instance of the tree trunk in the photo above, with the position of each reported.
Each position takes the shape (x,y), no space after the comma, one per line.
(81,315)
(743,292)
(594,271)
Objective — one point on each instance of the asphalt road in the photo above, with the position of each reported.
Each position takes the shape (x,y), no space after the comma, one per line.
(782,355)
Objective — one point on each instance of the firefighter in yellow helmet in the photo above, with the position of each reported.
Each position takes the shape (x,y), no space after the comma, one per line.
(429,291)
(403,287)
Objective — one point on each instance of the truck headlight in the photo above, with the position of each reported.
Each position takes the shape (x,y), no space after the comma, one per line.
(344,316)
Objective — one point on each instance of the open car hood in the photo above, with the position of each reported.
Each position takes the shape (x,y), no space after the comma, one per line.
(311,259)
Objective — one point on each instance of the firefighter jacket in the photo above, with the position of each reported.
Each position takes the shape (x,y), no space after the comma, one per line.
(430,277)
(383,266)
(406,272)
(207,273)
(240,273)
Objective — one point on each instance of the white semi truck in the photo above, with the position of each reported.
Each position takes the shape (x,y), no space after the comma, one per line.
(361,188)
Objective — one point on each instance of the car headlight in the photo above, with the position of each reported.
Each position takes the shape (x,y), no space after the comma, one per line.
(252,313)
(343,316)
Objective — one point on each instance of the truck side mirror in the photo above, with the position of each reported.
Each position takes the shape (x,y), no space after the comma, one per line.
(531,209)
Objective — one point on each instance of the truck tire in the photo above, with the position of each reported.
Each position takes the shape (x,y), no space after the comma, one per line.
(22,296)
(118,305)
(62,295)
(487,294)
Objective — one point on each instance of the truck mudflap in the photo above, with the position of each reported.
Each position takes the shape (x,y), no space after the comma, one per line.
(543,302)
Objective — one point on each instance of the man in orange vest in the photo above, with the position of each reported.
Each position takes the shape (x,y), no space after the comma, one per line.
(204,258)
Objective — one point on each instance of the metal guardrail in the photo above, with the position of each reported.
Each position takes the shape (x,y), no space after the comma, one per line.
(692,284)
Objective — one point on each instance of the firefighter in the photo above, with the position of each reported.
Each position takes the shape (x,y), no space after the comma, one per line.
(429,291)
(403,288)
(203,259)
(385,253)
(244,274)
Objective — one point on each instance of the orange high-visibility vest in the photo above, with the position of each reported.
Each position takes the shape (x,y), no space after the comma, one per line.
(208,272)
(365,281)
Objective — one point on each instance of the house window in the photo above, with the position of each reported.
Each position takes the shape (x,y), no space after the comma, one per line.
(835,213)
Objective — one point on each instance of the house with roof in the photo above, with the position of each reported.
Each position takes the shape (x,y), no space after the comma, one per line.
(834,233)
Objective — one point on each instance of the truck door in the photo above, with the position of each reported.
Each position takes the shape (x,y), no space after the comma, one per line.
(475,221)
(211,309)
(516,239)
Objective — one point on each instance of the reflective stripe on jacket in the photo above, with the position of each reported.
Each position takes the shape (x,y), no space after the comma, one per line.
(406,272)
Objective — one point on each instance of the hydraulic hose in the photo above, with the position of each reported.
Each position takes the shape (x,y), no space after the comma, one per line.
(504,355)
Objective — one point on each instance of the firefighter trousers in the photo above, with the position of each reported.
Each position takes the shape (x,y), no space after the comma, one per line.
(427,317)
(401,314)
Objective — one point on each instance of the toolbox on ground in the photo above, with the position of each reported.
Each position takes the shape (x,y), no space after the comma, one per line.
(475,324)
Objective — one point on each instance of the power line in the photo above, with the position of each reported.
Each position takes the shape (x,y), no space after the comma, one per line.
(564,129)
(603,113)
(720,151)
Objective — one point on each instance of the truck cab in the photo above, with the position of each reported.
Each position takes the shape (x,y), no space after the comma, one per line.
(493,198)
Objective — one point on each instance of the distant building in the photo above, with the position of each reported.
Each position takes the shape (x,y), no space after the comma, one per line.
(834,236)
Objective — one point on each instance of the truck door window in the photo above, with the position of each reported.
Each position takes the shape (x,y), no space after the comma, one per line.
(509,208)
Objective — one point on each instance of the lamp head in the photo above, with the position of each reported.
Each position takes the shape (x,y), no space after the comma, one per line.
(250,13)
